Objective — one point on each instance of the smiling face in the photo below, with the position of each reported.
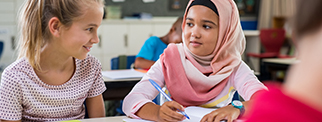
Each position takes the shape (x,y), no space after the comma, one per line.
(78,39)
(201,30)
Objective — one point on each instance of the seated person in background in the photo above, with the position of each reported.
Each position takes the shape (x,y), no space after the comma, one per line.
(154,46)
(299,98)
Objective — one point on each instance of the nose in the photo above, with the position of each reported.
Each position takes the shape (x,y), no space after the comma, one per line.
(195,32)
(95,39)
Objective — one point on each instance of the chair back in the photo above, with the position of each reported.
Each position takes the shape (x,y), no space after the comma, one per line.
(1,48)
(272,39)
(122,62)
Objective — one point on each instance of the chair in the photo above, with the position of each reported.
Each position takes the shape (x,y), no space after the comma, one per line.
(1,48)
(122,62)
(272,41)
(1,51)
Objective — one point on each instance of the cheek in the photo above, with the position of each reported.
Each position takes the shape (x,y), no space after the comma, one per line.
(186,36)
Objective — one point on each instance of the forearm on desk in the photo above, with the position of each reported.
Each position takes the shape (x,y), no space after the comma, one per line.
(149,111)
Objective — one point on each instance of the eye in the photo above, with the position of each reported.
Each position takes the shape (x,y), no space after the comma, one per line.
(189,24)
(89,29)
(206,26)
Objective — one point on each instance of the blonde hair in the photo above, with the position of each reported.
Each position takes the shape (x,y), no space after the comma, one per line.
(33,23)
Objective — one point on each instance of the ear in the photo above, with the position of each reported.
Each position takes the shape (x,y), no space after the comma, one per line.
(173,29)
(54,26)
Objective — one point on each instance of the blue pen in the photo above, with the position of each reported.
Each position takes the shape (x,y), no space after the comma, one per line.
(165,95)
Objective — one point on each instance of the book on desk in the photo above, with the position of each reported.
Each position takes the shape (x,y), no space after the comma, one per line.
(123,74)
(194,112)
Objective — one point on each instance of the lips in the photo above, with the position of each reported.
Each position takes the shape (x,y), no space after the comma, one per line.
(87,48)
(195,43)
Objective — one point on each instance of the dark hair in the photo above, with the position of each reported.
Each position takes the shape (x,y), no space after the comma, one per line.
(307,17)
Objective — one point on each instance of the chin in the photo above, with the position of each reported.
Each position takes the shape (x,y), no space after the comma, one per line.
(81,57)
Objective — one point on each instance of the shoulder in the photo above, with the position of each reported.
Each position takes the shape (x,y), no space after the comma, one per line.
(153,39)
(17,72)
(275,105)
(20,66)
(242,68)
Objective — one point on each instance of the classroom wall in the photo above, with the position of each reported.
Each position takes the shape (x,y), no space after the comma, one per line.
(157,8)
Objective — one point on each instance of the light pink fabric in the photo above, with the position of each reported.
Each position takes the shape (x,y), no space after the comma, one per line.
(227,56)
(242,79)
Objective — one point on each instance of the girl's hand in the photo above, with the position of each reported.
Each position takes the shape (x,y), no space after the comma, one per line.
(229,113)
(168,112)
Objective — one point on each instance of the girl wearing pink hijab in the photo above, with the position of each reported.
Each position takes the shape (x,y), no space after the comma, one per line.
(206,70)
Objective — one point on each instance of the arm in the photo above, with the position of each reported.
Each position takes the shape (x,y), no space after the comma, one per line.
(95,107)
(138,103)
(94,100)
(166,112)
(228,112)
(145,58)
(143,63)
(247,86)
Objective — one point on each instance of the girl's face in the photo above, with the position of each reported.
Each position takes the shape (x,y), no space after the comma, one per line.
(201,30)
(78,39)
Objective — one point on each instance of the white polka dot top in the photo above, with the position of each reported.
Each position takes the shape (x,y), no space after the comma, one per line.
(23,96)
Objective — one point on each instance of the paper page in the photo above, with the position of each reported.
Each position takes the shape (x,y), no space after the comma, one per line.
(122,74)
(195,113)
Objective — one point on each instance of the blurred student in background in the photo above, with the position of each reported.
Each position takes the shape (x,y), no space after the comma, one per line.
(300,98)
(54,74)
(154,46)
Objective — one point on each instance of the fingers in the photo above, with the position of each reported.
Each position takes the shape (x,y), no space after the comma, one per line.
(226,113)
(168,112)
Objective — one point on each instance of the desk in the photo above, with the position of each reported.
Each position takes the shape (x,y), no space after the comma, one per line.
(275,64)
(116,119)
(117,89)
(105,119)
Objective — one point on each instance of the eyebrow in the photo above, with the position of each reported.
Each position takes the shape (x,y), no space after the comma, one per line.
(93,25)
(207,21)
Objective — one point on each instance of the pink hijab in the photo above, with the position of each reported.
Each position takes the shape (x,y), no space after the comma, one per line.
(185,78)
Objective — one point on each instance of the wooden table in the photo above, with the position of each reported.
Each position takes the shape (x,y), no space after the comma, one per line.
(103,119)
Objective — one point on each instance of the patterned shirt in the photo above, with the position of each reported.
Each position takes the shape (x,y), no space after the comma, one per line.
(23,96)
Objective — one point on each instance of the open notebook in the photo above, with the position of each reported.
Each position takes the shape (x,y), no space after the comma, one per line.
(123,74)
(195,114)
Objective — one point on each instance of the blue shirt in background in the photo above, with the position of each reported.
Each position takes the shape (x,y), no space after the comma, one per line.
(152,48)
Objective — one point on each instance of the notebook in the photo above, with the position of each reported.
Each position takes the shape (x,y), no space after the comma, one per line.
(123,74)
(195,113)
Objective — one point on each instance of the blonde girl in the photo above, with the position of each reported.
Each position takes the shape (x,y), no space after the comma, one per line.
(54,74)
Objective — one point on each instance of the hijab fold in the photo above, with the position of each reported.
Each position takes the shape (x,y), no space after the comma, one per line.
(185,72)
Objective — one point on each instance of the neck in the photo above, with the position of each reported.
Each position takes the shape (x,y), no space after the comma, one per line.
(51,59)
(165,39)
(202,60)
